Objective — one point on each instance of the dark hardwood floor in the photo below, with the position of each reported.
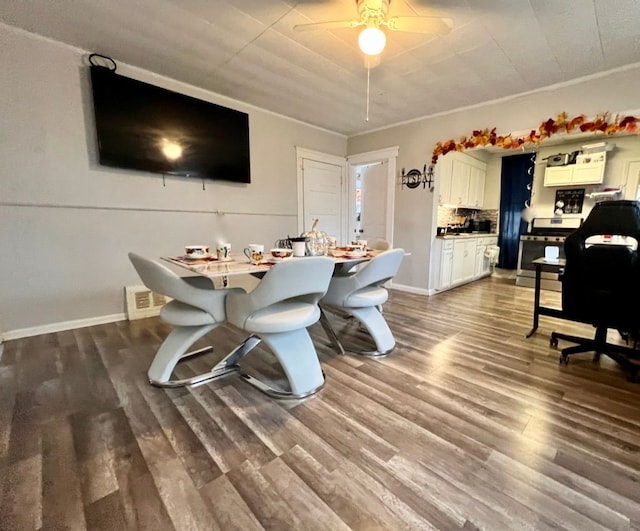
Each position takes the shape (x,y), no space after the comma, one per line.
(466,424)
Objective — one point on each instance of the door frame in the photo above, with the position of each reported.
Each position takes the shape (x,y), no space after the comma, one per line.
(318,156)
(628,192)
(348,165)
(389,155)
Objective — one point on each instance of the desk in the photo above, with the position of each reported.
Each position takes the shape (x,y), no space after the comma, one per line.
(543,310)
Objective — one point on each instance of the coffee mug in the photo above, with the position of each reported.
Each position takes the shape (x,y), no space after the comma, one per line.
(223,252)
(299,248)
(254,252)
(357,248)
(299,245)
(196,251)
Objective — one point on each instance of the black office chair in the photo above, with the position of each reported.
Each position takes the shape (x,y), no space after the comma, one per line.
(601,283)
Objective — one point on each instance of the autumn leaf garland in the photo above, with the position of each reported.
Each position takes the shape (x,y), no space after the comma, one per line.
(562,124)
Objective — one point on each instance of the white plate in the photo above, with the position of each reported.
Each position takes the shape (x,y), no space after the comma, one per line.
(355,255)
(197,257)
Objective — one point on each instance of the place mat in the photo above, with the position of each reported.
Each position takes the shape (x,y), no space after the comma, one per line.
(191,261)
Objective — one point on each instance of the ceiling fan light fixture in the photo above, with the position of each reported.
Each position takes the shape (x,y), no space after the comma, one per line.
(372,40)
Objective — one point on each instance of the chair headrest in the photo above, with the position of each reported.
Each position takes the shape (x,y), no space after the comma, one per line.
(611,217)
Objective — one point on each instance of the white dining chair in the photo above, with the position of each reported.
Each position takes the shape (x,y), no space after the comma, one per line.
(278,312)
(196,309)
(360,295)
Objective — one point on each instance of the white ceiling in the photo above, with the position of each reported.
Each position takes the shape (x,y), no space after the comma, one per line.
(247,50)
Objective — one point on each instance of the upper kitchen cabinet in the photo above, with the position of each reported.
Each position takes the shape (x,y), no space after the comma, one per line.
(579,173)
(587,168)
(461,181)
(476,185)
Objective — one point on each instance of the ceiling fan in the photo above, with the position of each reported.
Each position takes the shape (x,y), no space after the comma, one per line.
(373,17)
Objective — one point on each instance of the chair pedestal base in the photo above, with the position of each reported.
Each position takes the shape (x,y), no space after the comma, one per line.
(620,354)
(299,361)
(279,393)
(371,318)
(331,334)
(294,350)
(185,336)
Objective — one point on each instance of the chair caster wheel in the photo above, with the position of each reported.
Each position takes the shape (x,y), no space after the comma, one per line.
(563,360)
(553,342)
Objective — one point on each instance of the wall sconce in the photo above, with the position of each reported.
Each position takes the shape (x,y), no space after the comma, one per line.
(414,178)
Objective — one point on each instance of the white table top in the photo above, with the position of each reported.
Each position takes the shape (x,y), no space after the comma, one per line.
(560,261)
(213,268)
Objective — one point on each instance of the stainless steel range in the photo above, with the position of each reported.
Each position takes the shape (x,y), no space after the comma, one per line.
(544,232)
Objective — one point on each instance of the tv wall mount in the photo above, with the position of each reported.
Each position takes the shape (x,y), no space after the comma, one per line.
(97,59)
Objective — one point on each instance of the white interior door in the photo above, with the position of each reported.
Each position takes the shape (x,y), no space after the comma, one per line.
(322,196)
(374,173)
(321,193)
(373,201)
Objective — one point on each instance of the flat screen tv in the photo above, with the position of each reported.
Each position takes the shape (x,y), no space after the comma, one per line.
(148,128)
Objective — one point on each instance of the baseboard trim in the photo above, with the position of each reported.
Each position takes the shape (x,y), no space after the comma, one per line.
(103,319)
(410,289)
(63,325)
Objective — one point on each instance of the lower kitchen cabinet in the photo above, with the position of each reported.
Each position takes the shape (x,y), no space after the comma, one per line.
(464,260)
(446,268)
(479,269)
(483,265)
(460,259)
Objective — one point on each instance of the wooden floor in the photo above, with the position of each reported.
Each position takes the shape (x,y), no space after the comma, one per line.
(466,425)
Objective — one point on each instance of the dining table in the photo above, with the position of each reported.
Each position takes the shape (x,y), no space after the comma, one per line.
(212,268)
(215,269)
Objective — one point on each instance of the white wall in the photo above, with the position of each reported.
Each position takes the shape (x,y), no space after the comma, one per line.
(415,210)
(66,223)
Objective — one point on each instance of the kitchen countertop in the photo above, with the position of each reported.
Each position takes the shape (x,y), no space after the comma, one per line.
(466,235)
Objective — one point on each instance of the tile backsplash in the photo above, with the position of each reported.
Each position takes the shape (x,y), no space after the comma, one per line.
(447,216)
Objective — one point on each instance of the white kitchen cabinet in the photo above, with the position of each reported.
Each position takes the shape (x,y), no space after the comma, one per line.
(442,263)
(446,264)
(483,266)
(443,179)
(557,175)
(464,260)
(589,173)
(480,260)
(459,260)
(444,186)
(460,175)
(586,173)
(477,179)
(461,181)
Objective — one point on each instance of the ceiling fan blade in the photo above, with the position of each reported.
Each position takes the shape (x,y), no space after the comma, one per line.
(418,24)
(327,25)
